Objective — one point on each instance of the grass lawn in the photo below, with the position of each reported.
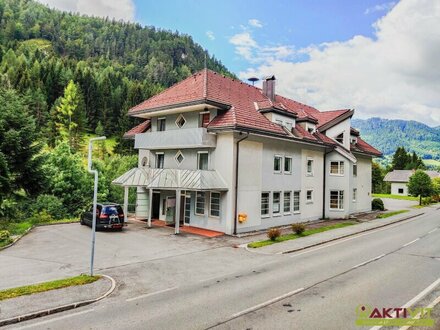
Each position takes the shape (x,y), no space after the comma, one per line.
(390,214)
(46,286)
(308,232)
(407,198)
(5,242)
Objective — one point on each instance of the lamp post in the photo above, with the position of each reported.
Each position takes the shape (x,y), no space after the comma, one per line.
(95,197)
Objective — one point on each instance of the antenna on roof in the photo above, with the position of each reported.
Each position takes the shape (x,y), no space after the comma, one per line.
(206,64)
(253,80)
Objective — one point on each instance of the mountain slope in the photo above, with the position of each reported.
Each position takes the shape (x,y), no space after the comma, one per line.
(387,135)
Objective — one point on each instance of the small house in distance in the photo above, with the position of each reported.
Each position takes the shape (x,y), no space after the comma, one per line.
(399,180)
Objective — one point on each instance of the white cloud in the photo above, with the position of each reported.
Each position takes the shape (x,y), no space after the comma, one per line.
(255,23)
(394,75)
(210,35)
(118,9)
(381,7)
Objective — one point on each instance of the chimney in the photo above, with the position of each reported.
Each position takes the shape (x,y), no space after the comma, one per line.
(269,87)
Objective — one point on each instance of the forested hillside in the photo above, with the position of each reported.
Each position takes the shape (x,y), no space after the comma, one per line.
(64,77)
(388,135)
(115,65)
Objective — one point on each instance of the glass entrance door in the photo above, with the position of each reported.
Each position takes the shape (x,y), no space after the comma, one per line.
(187,209)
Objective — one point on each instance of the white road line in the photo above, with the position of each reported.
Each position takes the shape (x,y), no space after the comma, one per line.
(431,305)
(368,261)
(266,303)
(151,294)
(415,299)
(430,232)
(346,239)
(409,243)
(56,319)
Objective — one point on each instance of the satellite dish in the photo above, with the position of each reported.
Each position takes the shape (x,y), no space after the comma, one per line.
(253,80)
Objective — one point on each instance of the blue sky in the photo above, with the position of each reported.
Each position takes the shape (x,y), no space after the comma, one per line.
(379,57)
(294,23)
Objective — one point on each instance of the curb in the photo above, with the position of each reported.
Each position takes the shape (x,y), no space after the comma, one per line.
(352,234)
(252,250)
(15,240)
(58,309)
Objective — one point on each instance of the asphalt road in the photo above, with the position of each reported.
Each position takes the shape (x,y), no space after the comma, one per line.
(224,288)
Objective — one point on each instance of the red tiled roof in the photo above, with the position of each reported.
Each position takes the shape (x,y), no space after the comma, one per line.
(141,128)
(300,132)
(326,116)
(364,147)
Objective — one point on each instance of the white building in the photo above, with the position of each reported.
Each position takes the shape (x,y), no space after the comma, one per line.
(226,156)
(399,180)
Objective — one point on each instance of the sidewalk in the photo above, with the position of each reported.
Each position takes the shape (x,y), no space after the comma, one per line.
(39,304)
(330,235)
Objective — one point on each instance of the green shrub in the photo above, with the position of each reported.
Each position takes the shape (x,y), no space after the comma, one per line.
(377,204)
(427,201)
(273,233)
(298,228)
(4,235)
(51,204)
(41,217)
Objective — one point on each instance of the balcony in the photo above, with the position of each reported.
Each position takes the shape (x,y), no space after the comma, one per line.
(176,139)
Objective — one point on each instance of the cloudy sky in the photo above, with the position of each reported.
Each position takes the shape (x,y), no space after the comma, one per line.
(381,58)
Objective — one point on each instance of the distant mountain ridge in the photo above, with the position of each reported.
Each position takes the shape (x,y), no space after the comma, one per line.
(386,135)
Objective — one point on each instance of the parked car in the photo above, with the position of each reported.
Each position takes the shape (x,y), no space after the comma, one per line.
(108,216)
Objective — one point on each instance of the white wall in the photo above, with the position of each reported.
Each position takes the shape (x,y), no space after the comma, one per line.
(343,127)
(363,184)
(338,182)
(313,210)
(395,186)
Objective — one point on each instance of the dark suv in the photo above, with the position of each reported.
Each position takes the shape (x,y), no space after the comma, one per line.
(108,216)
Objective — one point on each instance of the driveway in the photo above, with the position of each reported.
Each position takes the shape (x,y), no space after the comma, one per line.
(398,204)
(139,259)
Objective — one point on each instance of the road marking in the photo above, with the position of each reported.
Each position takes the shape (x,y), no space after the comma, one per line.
(431,305)
(266,303)
(368,261)
(56,319)
(415,299)
(409,243)
(151,294)
(430,232)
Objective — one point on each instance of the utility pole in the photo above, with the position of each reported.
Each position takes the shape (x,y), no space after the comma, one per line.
(95,198)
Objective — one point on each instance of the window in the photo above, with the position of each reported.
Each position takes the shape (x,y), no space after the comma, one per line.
(279,122)
(277,164)
(355,170)
(336,200)
(400,191)
(214,204)
(276,203)
(287,201)
(160,158)
(337,168)
(203,119)
(180,121)
(309,196)
(202,160)
(288,165)
(200,203)
(144,162)
(179,158)
(296,199)
(161,123)
(354,194)
(309,166)
(340,138)
(265,204)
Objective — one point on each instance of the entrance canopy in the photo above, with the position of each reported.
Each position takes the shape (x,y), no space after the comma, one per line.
(167,178)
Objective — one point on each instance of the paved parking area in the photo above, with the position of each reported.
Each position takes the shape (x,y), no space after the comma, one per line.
(398,204)
(139,259)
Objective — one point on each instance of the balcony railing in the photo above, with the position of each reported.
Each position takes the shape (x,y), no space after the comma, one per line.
(176,139)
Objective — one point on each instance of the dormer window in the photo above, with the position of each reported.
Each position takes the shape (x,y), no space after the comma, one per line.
(340,138)
(161,124)
(353,140)
(180,121)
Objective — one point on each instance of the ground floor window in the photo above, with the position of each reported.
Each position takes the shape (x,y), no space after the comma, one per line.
(265,204)
(214,204)
(355,194)
(400,190)
(287,201)
(276,203)
(336,199)
(296,200)
(309,196)
(200,203)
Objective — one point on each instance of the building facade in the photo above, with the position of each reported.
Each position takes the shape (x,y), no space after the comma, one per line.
(220,154)
(399,180)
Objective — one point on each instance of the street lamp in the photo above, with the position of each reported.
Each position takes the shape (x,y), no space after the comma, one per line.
(95,197)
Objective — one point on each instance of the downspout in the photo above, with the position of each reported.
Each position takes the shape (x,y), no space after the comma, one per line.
(237,153)
(323,184)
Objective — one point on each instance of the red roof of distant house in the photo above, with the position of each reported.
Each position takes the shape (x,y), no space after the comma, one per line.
(141,128)
(242,106)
